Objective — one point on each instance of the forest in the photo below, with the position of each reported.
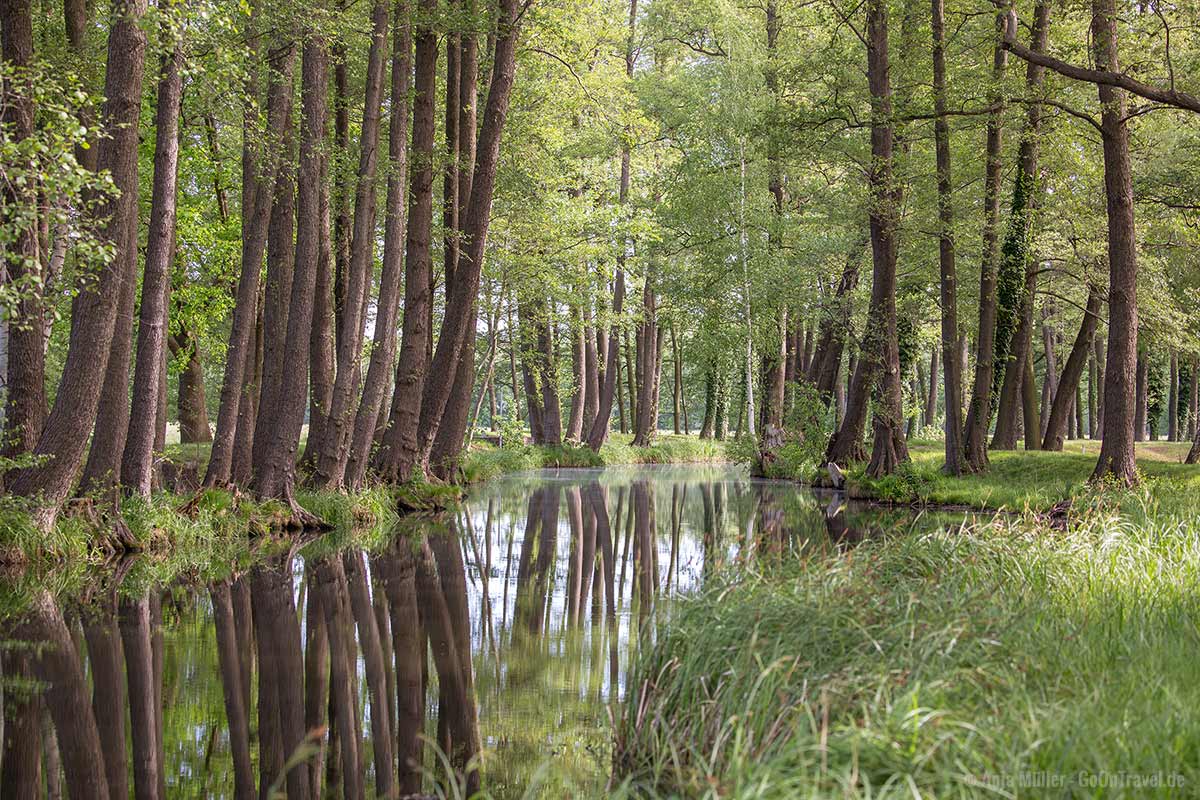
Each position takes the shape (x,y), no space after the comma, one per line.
(288,283)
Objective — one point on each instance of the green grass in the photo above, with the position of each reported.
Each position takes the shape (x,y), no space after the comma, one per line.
(922,665)
(1019,480)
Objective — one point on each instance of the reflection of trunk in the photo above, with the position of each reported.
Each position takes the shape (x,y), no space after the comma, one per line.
(316,676)
(335,603)
(22,775)
(456,701)
(373,659)
(1068,384)
(645,572)
(143,709)
(108,694)
(231,685)
(56,664)
(281,667)
(395,570)
(599,509)
(537,560)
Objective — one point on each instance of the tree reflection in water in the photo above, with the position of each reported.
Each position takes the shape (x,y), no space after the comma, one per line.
(472,648)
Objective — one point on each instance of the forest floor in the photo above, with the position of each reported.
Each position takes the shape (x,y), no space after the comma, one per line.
(1007,658)
(1020,480)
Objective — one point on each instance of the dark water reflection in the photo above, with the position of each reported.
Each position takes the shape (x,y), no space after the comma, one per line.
(482,648)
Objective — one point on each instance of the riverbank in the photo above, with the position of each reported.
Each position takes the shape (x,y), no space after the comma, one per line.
(1038,481)
(186,528)
(963,663)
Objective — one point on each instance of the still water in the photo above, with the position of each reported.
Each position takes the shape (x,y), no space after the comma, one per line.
(484,649)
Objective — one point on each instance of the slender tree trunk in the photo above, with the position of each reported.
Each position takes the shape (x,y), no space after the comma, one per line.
(880,349)
(334,450)
(1141,381)
(258,176)
(1068,384)
(599,432)
(384,347)
(1116,460)
(398,453)
(979,414)
(946,252)
(1193,396)
(94,310)
(578,372)
(1173,400)
(281,412)
(25,371)
(138,459)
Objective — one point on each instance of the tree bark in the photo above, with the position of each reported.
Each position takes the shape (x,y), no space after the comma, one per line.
(1068,384)
(384,347)
(281,411)
(463,294)
(258,176)
(979,413)
(334,451)
(94,310)
(1141,386)
(1173,400)
(138,460)
(398,452)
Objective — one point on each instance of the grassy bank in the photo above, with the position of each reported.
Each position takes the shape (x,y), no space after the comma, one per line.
(955,664)
(189,531)
(1019,480)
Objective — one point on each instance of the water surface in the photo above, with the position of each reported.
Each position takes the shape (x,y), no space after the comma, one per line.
(485,646)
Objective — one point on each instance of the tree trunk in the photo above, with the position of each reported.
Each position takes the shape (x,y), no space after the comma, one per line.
(1141,385)
(281,410)
(951,365)
(334,449)
(1116,460)
(258,176)
(579,393)
(384,347)
(138,459)
(94,310)
(25,370)
(1068,384)
(398,452)
(457,322)
(826,362)
(979,414)
(1173,400)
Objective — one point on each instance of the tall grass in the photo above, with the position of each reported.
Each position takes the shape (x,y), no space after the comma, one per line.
(966,663)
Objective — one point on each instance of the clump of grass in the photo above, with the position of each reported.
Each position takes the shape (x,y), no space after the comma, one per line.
(938,665)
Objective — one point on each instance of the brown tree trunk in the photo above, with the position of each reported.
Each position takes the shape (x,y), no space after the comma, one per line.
(578,372)
(1173,400)
(281,411)
(1068,384)
(25,409)
(138,459)
(96,332)
(462,297)
(834,327)
(1193,397)
(384,347)
(398,452)
(1141,385)
(979,413)
(258,177)
(322,339)
(191,404)
(880,359)
(334,449)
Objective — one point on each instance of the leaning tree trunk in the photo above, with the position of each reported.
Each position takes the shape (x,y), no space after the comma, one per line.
(1017,258)
(281,410)
(25,409)
(138,460)
(398,453)
(880,349)
(258,177)
(463,295)
(979,414)
(94,310)
(384,346)
(334,450)
(1116,460)
(1068,383)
